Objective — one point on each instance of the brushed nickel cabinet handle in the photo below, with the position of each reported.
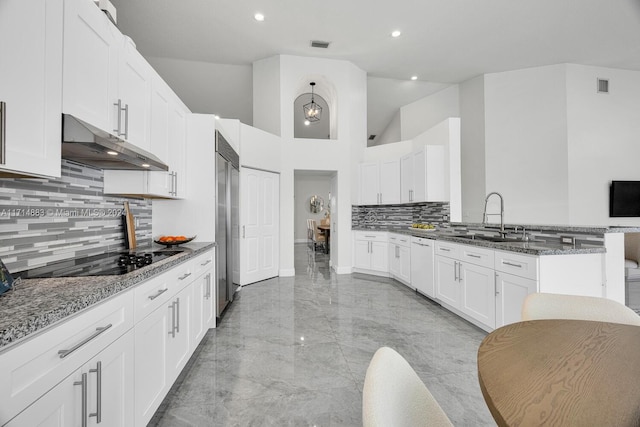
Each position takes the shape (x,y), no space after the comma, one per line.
(474,256)
(178,315)
(118,106)
(98,413)
(512,264)
(83,384)
(160,292)
(185,276)
(126,121)
(172,332)
(65,353)
(206,262)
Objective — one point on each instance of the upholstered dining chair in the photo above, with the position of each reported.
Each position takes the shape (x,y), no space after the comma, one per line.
(394,395)
(318,237)
(557,306)
(310,233)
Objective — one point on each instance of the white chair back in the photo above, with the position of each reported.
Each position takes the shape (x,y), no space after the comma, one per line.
(556,306)
(394,395)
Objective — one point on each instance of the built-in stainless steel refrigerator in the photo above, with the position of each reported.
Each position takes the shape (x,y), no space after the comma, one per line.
(227,222)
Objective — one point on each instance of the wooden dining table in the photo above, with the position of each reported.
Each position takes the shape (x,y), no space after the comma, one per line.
(326,230)
(562,373)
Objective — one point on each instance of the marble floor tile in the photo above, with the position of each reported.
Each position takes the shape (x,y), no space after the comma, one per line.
(294,352)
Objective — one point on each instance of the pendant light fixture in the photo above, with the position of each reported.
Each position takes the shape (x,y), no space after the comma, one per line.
(312,111)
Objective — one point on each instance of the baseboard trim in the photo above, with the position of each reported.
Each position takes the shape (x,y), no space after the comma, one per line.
(342,270)
(287,272)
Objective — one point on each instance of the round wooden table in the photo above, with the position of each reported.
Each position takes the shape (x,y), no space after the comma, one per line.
(562,373)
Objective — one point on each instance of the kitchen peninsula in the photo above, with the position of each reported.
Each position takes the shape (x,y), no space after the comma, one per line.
(482,275)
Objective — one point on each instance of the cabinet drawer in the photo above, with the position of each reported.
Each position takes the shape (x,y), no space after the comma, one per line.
(423,241)
(477,256)
(372,236)
(447,249)
(517,264)
(34,367)
(152,294)
(202,263)
(400,239)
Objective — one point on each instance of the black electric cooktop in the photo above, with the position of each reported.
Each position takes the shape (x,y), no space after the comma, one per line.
(107,264)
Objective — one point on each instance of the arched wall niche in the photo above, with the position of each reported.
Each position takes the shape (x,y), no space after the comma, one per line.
(324,89)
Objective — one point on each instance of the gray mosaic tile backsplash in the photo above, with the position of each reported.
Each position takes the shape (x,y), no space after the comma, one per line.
(45,220)
(389,216)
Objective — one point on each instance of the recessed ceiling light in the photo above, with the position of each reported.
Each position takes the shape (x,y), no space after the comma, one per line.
(307,122)
(112,153)
(396,33)
(258,17)
(414,77)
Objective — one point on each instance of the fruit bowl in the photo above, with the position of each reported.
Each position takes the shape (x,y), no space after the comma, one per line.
(169,241)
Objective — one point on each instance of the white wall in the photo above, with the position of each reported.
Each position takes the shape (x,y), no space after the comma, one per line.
(205,87)
(266,95)
(345,91)
(472,156)
(390,134)
(422,115)
(309,184)
(260,149)
(525,143)
(603,140)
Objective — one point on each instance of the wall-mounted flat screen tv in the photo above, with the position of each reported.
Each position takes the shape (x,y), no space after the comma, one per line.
(624,199)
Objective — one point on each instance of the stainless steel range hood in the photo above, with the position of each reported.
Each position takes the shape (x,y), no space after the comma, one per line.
(84,143)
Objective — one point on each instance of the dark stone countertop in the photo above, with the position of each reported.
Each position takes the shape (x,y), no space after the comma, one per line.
(36,304)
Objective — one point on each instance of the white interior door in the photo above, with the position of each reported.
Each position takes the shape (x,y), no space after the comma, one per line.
(259,216)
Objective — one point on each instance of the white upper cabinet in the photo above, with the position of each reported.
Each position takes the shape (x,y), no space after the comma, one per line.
(30,90)
(106,81)
(90,77)
(380,182)
(423,175)
(161,95)
(134,95)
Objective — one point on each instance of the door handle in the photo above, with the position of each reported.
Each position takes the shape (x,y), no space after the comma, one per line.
(83,384)
(118,106)
(65,353)
(178,315)
(98,413)
(455,271)
(126,121)
(460,271)
(172,332)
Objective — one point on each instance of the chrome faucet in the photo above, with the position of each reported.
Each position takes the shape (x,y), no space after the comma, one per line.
(484,216)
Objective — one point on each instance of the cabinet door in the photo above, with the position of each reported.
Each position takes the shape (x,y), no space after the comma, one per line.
(151,382)
(178,321)
(362,254)
(510,294)
(178,146)
(404,263)
(430,174)
(110,384)
(200,294)
(30,87)
(447,285)
(394,260)
(390,181)
(369,183)
(478,293)
(60,407)
(90,70)
(159,120)
(379,256)
(406,179)
(134,91)
(422,274)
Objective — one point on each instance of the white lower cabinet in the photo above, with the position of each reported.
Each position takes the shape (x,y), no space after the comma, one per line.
(477,293)
(400,258)
(113,364)
(511,291)
(446,278)
(101,392)
(422,268)
(371,253)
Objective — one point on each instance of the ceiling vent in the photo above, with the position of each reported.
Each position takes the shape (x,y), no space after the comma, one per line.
(372,137)
(603,86)
(320,44)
